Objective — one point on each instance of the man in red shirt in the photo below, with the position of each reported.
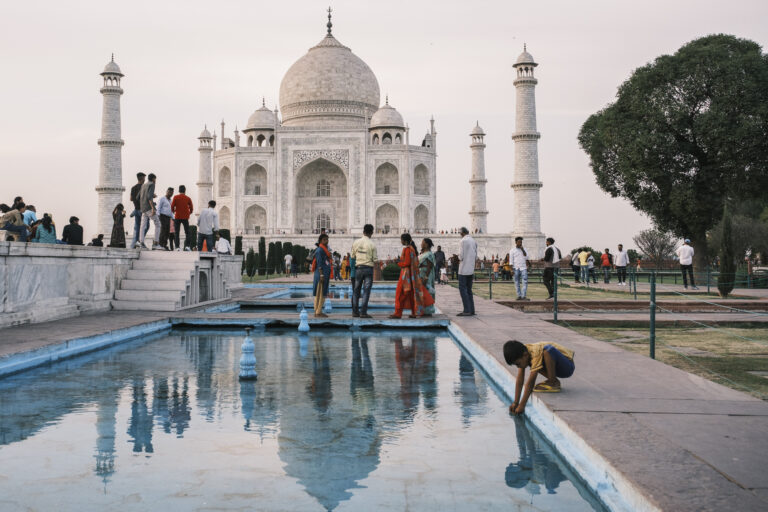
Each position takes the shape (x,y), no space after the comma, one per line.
(181,206)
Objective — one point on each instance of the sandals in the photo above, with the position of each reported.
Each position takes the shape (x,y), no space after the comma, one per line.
(546,388)
(394,317)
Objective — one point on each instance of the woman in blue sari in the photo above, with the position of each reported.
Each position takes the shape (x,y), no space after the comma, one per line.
(322,266)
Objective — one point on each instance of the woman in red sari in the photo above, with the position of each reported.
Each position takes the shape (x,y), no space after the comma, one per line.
(411,293)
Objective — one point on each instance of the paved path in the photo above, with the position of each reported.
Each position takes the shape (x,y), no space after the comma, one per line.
(684,442)
(611,318)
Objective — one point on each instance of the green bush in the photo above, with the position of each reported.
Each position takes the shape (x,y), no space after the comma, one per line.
(725,281)
(261,262)
(391,272)
(238,245)
(279,263)
(250,263)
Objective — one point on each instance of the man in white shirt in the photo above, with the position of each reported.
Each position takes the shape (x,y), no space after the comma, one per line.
(467,259)
(222,245)
(685,255)
(518,260)
(620,262)
(206,225)
(165,213)
(288,260)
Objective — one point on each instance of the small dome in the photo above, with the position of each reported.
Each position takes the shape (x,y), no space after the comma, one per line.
(261,119)
(477,130)
(387,117)
(525,58)
(205,134)
(112,68)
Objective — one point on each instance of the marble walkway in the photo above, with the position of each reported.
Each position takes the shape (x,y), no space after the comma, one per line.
(684,442)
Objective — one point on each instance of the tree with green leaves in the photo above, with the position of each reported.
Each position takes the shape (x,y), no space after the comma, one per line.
(727,277)
(271,258)
(261,262)
(657,246)
(279,263)
(685,132)
(250,263)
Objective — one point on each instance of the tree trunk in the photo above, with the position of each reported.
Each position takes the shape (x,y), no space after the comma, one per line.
(701,259)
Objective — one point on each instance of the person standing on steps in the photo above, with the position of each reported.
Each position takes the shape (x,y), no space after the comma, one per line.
(207,223)
(363,258)
(685,254)
(148,210)
(322,267)
(166,216)
(182,208)
(136,213)
(518,260)
(620,261)
(467,259)
(551,258)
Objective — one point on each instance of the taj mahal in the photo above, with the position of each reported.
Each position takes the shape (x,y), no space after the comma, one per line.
(334,157)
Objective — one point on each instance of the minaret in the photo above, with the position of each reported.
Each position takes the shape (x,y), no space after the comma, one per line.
(205,176)
(526,184)
(110,187)
(478,212)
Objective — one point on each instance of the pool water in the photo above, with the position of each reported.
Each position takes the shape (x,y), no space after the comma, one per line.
(336,421)
(378,293)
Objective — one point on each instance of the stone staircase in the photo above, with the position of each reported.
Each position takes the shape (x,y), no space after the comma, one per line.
(169,281)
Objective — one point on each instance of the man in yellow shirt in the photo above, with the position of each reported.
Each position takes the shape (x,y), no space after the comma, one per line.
(583,257)
(364,256)
(549,359)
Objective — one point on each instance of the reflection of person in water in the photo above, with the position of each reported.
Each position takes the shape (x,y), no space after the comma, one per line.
(319,388)
(535,467)
(416,366)
(471,397)
(361,374)
(140,427)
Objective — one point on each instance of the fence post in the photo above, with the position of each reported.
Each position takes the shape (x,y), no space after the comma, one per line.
(653,316)
(634,281)
(490,285)
(554,293)
(709,274)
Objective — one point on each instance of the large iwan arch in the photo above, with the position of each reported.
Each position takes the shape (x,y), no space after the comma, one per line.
(321,187)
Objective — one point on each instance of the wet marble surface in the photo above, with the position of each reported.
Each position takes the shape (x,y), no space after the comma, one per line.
(335,421)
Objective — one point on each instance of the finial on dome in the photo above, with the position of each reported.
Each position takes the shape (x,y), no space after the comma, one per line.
(525,47)
(329,25)
(263,103)
(387,99)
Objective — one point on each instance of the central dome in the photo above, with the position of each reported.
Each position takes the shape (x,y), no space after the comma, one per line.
(329,86)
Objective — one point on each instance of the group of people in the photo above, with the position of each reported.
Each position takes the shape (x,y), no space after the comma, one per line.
(21,224)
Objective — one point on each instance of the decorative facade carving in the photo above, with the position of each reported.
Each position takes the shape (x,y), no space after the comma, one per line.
(337,156)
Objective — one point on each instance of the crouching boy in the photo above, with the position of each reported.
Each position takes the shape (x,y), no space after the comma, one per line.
(549,359)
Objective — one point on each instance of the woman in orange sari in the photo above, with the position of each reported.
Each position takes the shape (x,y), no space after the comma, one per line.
(411,293)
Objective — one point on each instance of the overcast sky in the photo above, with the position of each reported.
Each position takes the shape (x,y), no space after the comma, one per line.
(188,63)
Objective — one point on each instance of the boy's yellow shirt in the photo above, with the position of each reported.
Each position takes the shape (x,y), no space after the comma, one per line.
(536,350)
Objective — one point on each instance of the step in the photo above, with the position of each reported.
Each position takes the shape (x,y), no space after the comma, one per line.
(143,305)
(169,255)
(149,295)
(148,284)
(170,264)
(159,275)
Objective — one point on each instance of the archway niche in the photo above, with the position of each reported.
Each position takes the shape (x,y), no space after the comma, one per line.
(225,182)
(421,180)
(421,218)
(387,181)
(321,187)
(387,219)
(255,220)
(224,218)
(256,180)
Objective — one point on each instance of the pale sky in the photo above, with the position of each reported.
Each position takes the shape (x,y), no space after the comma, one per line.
(188,63)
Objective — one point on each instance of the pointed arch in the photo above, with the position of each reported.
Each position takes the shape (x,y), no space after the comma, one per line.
(387,179)
(387,219)
(421,218)
(421,180)
(225,181)
(255,220)
(256,180)
(224,217)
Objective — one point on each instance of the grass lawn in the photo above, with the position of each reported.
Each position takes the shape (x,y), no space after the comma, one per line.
(537,291)
(703,352)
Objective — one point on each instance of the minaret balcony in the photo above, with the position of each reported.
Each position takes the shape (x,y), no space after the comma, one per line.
(527,185)
(111,89)
(111,142)
(526,136)
(525,80)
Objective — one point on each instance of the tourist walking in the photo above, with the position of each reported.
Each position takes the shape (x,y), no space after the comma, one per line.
(591,265)
(288,259)
(362,258)
(13,221)
(117,238)
(149,211)
(439,261)
(552,256)
(685,255)
(411,293)
(166,215)
(46,231)
(72,234)
(620,262)
(427,265)
(584,265)
(182,208)
(518,260)
(322,266)
(207,223)
(576,266)
(606,262)
(136,213)
(336,266)
(466,264)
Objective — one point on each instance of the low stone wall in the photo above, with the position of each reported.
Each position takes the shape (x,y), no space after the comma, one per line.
(232,266)
(40,282)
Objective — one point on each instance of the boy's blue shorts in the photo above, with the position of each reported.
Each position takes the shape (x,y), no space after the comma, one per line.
(564,367)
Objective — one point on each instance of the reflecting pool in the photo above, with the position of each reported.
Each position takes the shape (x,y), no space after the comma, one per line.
(336,421)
